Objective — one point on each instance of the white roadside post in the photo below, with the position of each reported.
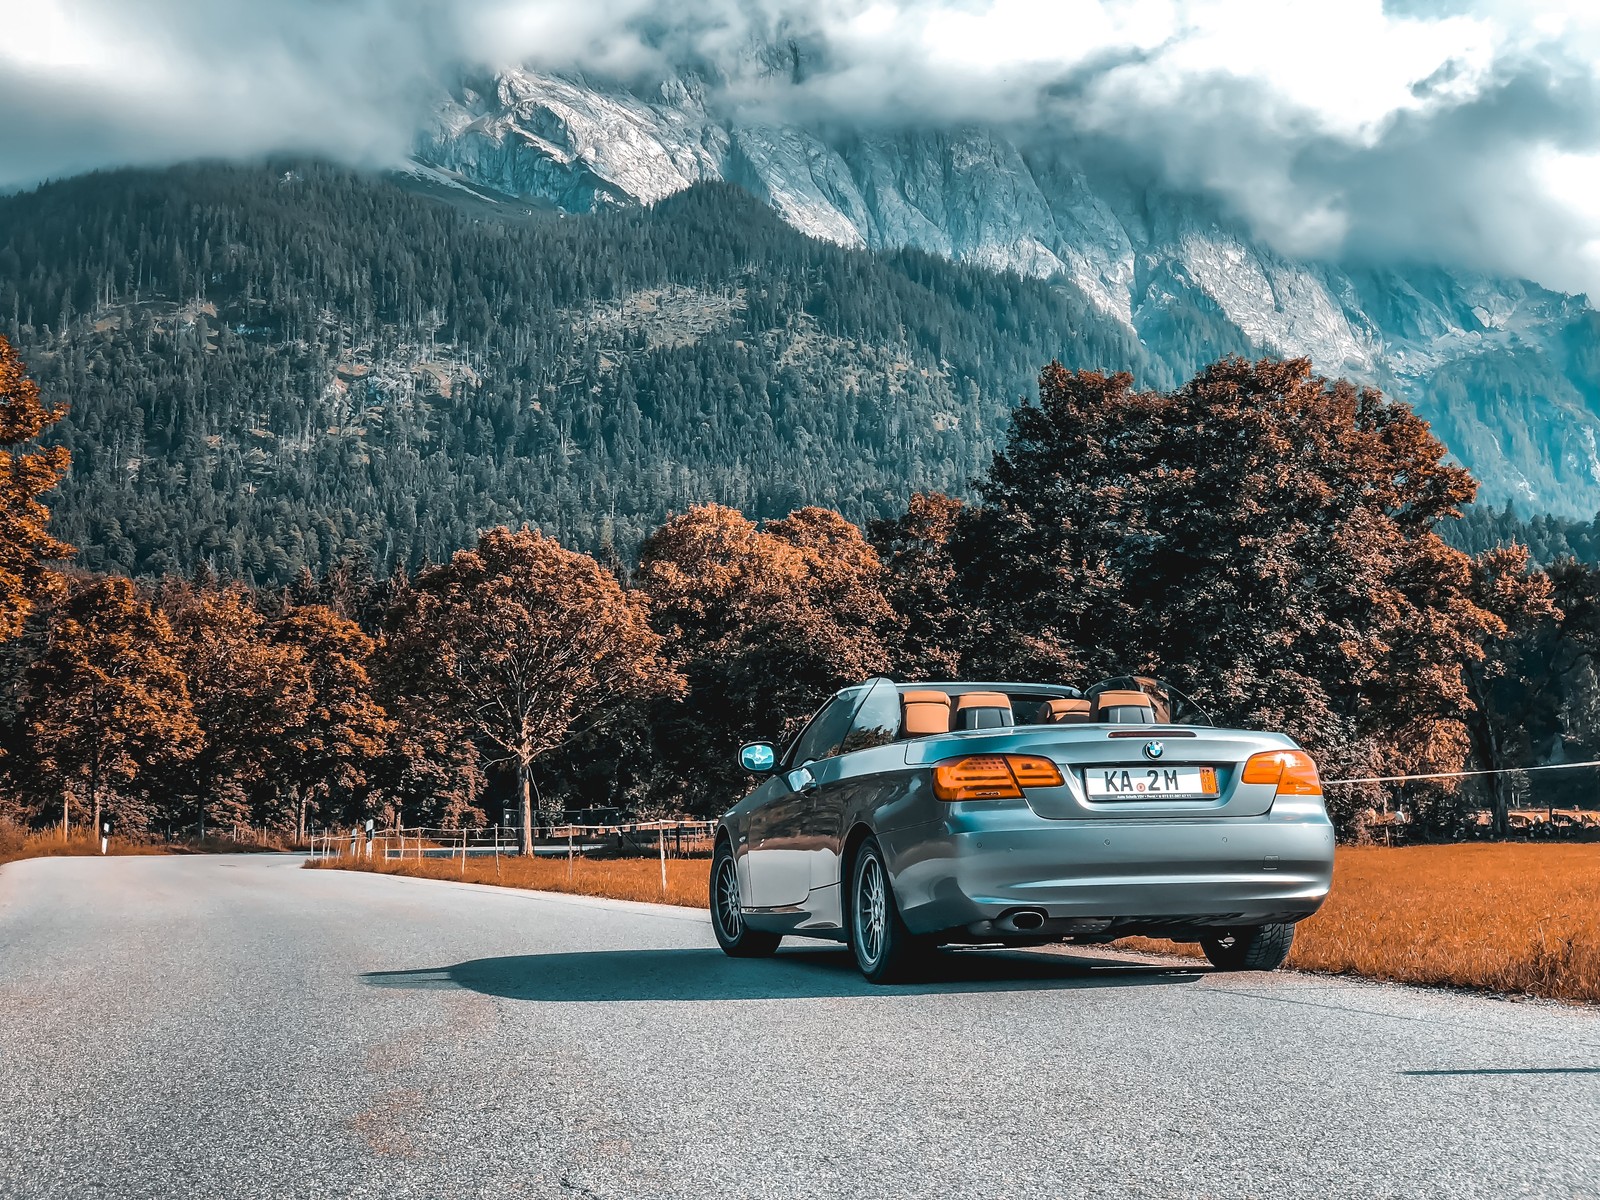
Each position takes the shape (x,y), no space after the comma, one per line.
(663,832)
(105,836)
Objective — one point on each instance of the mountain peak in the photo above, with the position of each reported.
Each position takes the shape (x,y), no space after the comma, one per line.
(1138,251)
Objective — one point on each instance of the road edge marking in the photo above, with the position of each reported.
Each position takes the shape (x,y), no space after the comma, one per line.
(675,912)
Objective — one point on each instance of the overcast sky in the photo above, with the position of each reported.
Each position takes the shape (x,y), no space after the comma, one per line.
(1462,133)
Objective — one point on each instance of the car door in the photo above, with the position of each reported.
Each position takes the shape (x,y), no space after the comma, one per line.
(779,850)
(875,723)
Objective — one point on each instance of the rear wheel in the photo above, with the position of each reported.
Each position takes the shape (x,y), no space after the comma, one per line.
(885,950)
(727,915)
(1257,948)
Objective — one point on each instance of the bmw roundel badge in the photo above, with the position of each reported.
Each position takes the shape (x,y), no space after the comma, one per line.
(1154,749)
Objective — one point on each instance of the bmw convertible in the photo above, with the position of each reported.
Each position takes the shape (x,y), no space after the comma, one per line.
(905,817)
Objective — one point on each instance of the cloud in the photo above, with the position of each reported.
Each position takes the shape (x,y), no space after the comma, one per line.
(1465,132)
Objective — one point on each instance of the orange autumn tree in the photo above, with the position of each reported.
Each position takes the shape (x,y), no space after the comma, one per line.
(342,731)
(26,473)
(249,695)
(764,623)
(107,702)
(526,644)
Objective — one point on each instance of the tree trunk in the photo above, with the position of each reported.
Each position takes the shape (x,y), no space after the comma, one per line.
(1489,743)
(1502,804)
(300,815)
(525,797)
(66,813)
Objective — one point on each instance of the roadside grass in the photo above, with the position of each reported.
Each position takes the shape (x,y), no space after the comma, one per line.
(1500,917)
(18,842)
(688,879)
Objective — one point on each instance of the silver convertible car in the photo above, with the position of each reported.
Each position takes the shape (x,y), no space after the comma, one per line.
(909,816)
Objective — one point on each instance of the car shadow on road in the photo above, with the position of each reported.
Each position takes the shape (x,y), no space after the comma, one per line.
(697,974)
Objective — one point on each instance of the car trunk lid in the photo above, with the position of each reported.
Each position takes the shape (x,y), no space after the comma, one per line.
(1123,772)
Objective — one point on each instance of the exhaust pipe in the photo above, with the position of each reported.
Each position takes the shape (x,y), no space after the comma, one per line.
(1026,920)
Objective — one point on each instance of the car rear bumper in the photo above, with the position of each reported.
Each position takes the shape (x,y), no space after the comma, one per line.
(974,871)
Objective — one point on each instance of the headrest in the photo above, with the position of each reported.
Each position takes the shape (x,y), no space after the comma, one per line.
(924,713)
(1124,708)
(983,710)
(1119,699)
(1066,710)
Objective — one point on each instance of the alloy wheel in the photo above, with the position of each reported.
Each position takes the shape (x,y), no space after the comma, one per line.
(728,915)
(871,910)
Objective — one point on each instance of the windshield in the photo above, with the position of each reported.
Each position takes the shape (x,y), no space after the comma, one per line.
(1171,706)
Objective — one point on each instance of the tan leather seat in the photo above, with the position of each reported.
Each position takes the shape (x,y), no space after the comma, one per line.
(923,713)
(1124,708)
(983,710)
(1066,712)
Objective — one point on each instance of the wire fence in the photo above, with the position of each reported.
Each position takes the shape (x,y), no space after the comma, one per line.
(632,839)
(685,839)
(1547,802)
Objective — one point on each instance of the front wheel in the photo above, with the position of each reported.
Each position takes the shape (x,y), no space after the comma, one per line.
(885,950)
(735,937)
(1258,948)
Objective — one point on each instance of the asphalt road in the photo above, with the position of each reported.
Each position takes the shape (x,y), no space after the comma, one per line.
(236,1027)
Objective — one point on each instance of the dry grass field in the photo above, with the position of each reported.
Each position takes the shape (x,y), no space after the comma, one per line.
(17,843)
(688,879)
(1502,917)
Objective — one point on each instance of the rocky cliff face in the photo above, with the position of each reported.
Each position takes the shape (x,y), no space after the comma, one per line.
(1503,367)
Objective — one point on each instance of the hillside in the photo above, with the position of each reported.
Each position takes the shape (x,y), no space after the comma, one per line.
(1507,370)
(284,366)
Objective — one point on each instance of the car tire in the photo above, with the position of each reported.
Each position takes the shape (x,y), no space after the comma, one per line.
(735,937)
(884,949)
(1257,948)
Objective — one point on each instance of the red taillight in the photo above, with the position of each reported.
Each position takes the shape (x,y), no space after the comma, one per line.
(1034,772)
(993,776)
(1292,771)
(980,777)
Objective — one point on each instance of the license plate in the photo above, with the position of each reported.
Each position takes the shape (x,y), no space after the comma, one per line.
(1139,783)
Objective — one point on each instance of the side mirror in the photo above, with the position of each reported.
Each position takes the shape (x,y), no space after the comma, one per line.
(758,757)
